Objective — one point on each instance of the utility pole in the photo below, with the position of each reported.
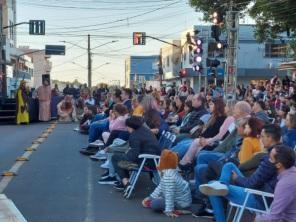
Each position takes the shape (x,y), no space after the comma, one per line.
(89,62)
(230,77)
(3,87)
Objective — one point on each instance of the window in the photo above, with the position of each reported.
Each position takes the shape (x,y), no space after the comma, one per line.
(273,50)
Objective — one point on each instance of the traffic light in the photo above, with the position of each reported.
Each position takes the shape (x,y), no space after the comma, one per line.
(215,32)
(213,63)
(182,73)
(197,55)
(139,38)
(37,27)
(217,18)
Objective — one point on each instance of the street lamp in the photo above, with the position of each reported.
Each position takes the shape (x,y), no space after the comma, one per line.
(113,41)
(107,63)
(74,44)
(79,65)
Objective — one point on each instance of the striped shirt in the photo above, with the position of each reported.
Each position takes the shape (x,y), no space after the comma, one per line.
(174,189)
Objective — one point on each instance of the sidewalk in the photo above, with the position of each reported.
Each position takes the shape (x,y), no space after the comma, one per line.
(8,211)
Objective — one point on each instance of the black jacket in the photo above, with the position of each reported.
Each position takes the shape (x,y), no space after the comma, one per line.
(194,119)
(264,178)
(142,141)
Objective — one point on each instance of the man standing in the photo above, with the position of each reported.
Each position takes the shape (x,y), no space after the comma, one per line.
(44,97)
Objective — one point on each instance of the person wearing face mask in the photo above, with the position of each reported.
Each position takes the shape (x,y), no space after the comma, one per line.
(283,207)
(44,97)
(232,183)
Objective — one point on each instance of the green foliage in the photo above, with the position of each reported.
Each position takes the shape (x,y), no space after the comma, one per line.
(292,46)
(208,7)
(272,16)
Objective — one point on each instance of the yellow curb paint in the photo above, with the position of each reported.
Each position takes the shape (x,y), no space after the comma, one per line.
(22,159)
(30,149)
(9,174)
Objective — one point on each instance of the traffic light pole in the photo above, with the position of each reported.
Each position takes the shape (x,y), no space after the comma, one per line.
(230,77)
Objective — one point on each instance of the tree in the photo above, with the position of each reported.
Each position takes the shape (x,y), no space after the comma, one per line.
(272,17)
(208,7)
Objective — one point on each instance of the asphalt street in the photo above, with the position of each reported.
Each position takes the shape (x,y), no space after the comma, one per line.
(58,184)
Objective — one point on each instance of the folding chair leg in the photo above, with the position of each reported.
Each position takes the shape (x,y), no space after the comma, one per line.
(236,214)
(129,192)
(241,211)
(229,213)
(132,177)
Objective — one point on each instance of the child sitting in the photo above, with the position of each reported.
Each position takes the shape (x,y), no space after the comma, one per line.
(172,195)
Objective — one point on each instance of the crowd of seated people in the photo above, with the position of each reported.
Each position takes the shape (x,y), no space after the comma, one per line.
(220,149)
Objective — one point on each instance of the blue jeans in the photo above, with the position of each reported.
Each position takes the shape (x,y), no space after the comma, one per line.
(236,194)
(98,117)
(96,129)
(182,147)
(203,159)
(226,173)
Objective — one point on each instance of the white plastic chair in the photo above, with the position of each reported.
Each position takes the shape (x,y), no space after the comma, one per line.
(136,172)
(241,208)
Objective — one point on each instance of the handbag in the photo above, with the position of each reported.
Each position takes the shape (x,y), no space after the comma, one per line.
(195,132)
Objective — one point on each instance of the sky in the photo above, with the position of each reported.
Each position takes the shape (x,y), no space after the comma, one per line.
(105,21)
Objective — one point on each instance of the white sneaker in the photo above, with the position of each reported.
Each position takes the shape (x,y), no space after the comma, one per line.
(106,165)
(76,129)
(97,143)
(214,189)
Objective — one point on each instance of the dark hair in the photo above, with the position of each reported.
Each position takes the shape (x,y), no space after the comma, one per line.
(219,107)
(117,93)
(134,122)
(261,104)
(93,109)
(188,103)
(285,109)
(140,98)
(128,92)
(256,126)
(181,108)
(219,110)
(152,118)
(293,120)
(285,155)
(121,109)
(174,105)
(202,99)
(274,131)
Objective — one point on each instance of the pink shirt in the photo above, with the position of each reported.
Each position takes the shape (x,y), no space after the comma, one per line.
(223,130)
(118,123)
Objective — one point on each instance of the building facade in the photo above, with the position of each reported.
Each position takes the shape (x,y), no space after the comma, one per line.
(7,40)
(139,69)
(256,61)
(42,64)
(171,60)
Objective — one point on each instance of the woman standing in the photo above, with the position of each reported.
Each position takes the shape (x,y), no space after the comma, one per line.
(22,104)
(44,97)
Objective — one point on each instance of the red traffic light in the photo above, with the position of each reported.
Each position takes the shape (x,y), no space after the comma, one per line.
(139,38)
(182,73)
